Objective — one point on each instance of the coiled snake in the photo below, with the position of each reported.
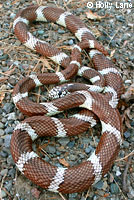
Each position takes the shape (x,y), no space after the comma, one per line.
(106,79)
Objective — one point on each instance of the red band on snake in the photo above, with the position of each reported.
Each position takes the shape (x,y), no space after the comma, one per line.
(106,79)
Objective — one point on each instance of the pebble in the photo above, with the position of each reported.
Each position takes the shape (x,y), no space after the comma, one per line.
(73,157)
(12,172)
(12,15)
(3,194)
(4,57)
(125,144)
(40,32)
(9,130)
(8,107)
(58,153)
(73,195)
(51,149)
(120,18)
(61,31)
(131,57)
(3,172)
(116,169)
(128,82)
(1,52)
(127,134)
(131,193)
(4,154)
(1,141)
(86,141)
(114,188)
(17,43)
(1,125)
(99,185)
(71,42)
(71,144)
(10,160)
(9,185)
(11,116)
(1,132)
(132,123)
(7,140)
(88,150)
(64,141)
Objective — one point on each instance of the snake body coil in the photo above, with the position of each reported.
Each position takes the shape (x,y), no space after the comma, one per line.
(106,79)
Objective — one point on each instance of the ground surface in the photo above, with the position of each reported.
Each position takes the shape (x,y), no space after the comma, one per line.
(116,31)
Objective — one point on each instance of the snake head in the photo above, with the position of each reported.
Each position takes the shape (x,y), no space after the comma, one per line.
(58,92)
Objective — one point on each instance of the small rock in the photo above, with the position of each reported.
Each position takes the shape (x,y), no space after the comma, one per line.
(4,154)
(117,170)
(8,107)
(120,18)
(7,140)
(132,123)
(127,134)
(12,15)
(11,172)
(58,153)
(73,157)
(1,141)
(10,160)
(9,185)
(3,194)
(125,144)
(114,188)
(105,185)
(4,57)
(73,195)
(40,32)
(50,149)
(1,125)
(64,141)
(17,43)
(1,132)
(131,192)
(86,140)
(3,172)
(131,57)
(71,42)
(1,52)
(47,159)
(89,149)
(9,130)
(71,144)
(99,185)
(11,116)
(61,31)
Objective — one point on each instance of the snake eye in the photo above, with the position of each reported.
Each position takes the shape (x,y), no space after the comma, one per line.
(60,93)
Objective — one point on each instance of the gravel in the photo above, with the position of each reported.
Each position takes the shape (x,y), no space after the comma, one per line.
(16,61)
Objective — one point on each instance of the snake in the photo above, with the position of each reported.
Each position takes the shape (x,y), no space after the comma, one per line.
(97,100)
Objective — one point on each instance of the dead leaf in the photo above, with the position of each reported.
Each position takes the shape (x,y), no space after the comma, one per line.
(35,192)
(14,2)
(2,93)
(64,162)
(129,94)
(2,79)
(46,63)
(9,72)
(91,15)
(112,53)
